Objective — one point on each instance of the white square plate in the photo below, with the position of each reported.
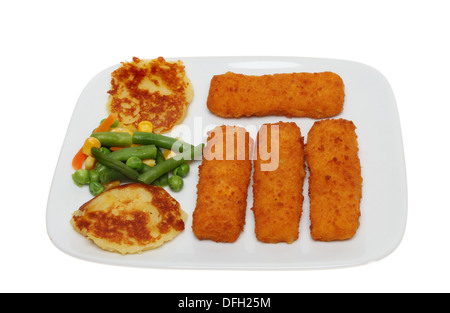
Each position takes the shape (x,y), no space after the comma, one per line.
(369,103)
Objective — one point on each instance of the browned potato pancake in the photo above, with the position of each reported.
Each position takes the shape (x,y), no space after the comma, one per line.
(131,218)
(150,90)
(315,95)
(335,182)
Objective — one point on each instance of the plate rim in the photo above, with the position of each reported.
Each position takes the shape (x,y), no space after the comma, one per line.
(395,245)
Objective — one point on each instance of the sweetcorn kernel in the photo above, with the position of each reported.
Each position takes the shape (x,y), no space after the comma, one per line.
(149,162)
(169,154)
(121,130)
(145,126)
(89,163)
(112,184)
(90,143)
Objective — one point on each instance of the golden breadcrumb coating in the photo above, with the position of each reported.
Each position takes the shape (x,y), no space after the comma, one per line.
(315,95)
(223,184)
(335,182)
(278,192)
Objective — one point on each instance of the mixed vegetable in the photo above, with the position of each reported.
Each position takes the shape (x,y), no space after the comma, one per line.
(112,155)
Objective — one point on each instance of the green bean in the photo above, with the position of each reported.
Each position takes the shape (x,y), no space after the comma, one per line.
(157,183)
(163,180)
(114,139)
(145,138)
(114,164)
(142,152)
(166,166)
(106,174)
(145,168)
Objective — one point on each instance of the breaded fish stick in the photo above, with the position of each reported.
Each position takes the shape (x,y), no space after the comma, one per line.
(315,95)
(224,177)
(278,190)
(335,182)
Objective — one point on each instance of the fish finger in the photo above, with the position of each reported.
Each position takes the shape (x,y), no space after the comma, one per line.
(278,191)
(335,181)
(315,95)
(224,178)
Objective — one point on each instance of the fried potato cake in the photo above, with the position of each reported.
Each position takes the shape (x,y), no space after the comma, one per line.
(335,182)
(278,187)
(130,219)
(150,90)
(315,95)
(224,178)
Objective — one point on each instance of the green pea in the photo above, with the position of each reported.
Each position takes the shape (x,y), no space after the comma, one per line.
(175,182)
(96,188)
(135,163)
(105,150)
(75,181)
(93,175)
(81,177)
(182,170)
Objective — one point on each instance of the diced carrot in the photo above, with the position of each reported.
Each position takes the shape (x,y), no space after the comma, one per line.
(79,158)
(115,148)
(104,127)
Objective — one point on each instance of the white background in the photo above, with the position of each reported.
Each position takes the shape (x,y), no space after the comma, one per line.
(51,49)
